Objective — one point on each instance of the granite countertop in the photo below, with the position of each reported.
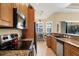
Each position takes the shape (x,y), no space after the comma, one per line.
(73,42)
(72,34)
(14,52)
(70,41)
(18,52)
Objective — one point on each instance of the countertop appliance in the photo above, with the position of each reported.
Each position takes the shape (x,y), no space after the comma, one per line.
(59,47)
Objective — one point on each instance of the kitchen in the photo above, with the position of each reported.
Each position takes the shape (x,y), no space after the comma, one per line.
(21,36)
(60,28)
(16,37)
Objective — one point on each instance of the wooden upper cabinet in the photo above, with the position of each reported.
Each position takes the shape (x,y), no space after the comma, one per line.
(21,7)
(6,13)
(30,23)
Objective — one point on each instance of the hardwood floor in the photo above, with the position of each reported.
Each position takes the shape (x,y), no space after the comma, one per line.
(43,50)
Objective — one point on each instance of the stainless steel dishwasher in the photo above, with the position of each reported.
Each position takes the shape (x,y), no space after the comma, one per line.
(59,47)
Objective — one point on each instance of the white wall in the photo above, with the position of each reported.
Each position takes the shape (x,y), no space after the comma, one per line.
(10,31)
(57,17)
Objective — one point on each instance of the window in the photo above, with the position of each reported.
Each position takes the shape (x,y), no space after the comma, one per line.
(48,27)
(39,27)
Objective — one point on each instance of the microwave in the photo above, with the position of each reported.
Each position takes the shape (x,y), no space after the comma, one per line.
(19,19)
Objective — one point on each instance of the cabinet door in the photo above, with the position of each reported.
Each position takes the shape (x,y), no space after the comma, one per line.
(48,42)
(30,23)
(53,44)
(66,49)
(74,51)
(70,50)
(21,7)
(6,10)
(4,23)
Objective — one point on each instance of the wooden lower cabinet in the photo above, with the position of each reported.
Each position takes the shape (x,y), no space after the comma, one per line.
(26,44)
(48,42)
(51,43)
(74,51)
(66,49)
(70,50)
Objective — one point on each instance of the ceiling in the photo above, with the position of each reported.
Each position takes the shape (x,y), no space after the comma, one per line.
(44,10)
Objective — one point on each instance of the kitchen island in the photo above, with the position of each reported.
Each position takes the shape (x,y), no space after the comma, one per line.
(70,44)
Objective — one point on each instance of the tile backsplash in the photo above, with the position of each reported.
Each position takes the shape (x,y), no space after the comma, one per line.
(10,31)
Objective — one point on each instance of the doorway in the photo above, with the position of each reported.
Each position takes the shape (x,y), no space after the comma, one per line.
(39,30)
